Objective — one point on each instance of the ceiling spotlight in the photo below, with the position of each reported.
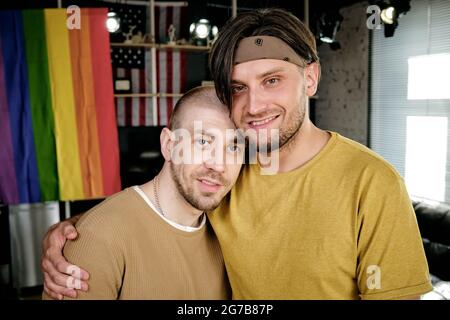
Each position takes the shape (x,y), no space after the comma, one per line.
(388,15)
(202,32)
(329,24)
(391,11)
(112,22)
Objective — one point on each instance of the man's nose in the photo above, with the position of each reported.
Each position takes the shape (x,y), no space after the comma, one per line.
(215,163)
(256,102)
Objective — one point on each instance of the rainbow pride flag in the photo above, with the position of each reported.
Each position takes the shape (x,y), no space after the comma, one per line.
(58,131)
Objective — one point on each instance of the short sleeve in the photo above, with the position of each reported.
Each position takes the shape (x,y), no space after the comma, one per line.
(95,254)
(391,258)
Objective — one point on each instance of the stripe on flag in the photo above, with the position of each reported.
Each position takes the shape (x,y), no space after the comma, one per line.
(170,70)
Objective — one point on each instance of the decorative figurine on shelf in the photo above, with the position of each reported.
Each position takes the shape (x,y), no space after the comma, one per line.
(182,42)
(148,38)
(210,41)
(172,37)
(215,35)
(139,38)
(129,36)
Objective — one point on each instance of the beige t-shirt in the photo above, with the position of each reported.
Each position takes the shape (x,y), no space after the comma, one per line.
(340,227)
(132,253)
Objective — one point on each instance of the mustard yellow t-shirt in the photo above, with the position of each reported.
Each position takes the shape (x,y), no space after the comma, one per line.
(340,227)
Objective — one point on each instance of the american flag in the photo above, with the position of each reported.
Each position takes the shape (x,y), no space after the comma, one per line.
(135,64)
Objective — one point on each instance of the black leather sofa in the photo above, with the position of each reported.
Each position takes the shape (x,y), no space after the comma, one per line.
(434,225)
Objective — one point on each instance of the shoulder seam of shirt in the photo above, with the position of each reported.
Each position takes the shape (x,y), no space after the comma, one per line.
(376,157)
(102,204)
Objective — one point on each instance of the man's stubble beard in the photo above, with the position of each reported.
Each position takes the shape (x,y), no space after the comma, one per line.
(188,192)
(286,136)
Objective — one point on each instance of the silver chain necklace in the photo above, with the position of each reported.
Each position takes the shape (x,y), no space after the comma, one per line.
(155,191)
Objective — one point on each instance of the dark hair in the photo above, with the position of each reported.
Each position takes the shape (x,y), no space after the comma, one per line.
(262,22)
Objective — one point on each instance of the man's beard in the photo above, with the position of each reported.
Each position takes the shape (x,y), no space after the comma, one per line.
(187,192)
(285,135)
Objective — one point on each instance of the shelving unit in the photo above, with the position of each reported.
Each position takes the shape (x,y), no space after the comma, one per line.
(153,94)
(148,95)
(156,46)
(159,46)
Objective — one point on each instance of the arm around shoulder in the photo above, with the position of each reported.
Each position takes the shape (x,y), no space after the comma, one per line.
(94,251)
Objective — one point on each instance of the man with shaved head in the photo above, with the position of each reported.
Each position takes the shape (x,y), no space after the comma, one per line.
(153,241)
(334,220)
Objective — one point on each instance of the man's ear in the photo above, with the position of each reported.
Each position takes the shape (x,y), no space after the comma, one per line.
(312,76)
(167,140)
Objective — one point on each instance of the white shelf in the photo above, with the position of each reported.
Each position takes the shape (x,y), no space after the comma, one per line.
(162,46)
(147,95)
(153,94)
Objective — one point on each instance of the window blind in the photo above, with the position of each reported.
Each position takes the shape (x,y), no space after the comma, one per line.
(410,98)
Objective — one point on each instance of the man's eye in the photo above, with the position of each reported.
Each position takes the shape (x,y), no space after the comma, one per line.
(202,142)
(272,81)
(234,148)
(237,89)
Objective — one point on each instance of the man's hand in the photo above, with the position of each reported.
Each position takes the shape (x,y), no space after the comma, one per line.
(59,275)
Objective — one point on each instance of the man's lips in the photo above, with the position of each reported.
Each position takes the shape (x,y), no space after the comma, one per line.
(209,185)
(210,181)
(261,123)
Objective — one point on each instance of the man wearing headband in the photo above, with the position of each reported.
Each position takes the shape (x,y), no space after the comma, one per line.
(335,220)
